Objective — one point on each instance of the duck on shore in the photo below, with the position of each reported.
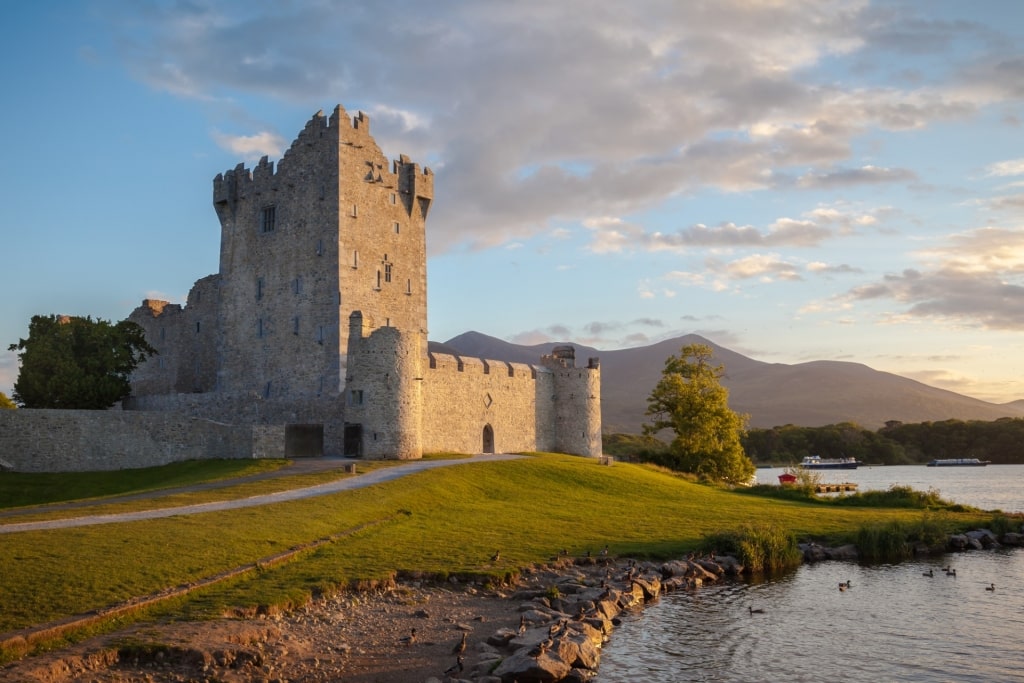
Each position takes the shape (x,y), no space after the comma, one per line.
(929,573)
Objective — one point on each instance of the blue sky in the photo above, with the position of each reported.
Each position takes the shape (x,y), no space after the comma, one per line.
(793,180)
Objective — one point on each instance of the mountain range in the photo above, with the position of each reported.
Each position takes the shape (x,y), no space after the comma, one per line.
(809,394)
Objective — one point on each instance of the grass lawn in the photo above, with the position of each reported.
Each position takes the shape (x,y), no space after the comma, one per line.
(19,488)
(448,520)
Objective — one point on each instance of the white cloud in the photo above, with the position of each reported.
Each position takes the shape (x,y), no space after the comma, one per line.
(510,102)
(1006,168)
(251,147)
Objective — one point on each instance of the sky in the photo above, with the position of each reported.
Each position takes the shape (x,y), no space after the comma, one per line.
(792,180)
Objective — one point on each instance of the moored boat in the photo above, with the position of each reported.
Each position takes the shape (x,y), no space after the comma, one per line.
(958,462)
(816,462)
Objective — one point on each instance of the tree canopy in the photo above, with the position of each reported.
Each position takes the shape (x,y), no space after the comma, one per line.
(690,400)
(73,362)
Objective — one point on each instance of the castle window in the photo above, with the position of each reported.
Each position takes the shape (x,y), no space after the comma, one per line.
(319,247)
(259,328)
(323,190)
(355,258)
(268,218)
(398,228)
(320,334)
(378,278)
(408,286)
(297,285)
(163,334)
(197,327)
(387,272)
(355,397)
(295,325)
(266,391)
(394,200)
(355,211)
(259,288)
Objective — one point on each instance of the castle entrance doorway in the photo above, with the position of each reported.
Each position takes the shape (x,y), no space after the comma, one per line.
(488,439)
(353,447)
(303,441)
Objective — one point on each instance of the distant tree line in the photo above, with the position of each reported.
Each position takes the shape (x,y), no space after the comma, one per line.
(1001,442)
(894,444)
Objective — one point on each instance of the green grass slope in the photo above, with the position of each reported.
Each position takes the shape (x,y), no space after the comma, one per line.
(445,521)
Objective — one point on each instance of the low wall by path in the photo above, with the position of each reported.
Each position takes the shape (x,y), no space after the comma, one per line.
(91,440)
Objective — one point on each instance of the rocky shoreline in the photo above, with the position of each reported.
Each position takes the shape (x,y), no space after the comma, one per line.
(549,625)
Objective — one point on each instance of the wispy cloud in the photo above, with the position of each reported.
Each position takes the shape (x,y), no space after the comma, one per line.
(678,97)
(251,147)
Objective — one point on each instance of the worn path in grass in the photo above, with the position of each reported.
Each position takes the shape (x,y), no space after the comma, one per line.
(299,466)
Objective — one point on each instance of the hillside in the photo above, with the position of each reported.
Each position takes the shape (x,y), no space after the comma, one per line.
(806,394)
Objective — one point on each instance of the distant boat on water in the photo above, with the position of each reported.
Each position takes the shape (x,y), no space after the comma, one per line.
(958,462)
(816,462)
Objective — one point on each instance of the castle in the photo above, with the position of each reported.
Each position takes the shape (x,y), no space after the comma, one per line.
(317,321)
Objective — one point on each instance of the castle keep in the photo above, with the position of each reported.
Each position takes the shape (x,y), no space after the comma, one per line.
(317,321)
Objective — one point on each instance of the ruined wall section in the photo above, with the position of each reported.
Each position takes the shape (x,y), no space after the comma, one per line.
(279,310)
(163,324)
(465,396)
(201,338)
(187,341)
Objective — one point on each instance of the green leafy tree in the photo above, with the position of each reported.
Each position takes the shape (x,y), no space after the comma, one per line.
(690,401)
(72,362)
(6,403)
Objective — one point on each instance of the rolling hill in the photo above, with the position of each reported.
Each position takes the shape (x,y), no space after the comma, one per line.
(806,394)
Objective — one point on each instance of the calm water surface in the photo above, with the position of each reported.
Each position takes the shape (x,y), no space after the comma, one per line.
(894,624)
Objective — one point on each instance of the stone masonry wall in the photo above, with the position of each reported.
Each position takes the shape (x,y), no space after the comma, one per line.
(463,395)
(91,440)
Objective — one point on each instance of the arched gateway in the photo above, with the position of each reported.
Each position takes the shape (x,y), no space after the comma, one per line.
(488,439)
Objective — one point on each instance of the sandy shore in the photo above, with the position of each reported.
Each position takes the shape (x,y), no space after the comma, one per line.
(359,638)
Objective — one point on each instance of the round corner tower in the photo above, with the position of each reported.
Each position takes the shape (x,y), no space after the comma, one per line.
(577,402)
(383,392)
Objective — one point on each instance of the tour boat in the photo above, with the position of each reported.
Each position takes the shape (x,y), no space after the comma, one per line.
(816,462)
(959,462)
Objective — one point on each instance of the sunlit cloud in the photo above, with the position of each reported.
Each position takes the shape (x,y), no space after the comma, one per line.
(251,147)
(1006,168)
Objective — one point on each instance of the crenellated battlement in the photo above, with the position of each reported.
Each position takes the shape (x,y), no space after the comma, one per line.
(477,367)
(319,136)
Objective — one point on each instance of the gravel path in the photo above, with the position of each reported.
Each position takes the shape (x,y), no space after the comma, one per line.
(346,484)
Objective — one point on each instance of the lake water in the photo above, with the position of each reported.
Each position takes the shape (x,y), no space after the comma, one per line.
(893,624)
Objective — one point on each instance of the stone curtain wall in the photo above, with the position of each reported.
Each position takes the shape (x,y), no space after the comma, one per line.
(92,440)
(457,404)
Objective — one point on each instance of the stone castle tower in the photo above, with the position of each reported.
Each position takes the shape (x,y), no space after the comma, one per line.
(318,318)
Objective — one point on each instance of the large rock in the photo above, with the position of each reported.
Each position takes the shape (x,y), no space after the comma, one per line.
(522,667)
(986,538)
(1013,538)
(846,552)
